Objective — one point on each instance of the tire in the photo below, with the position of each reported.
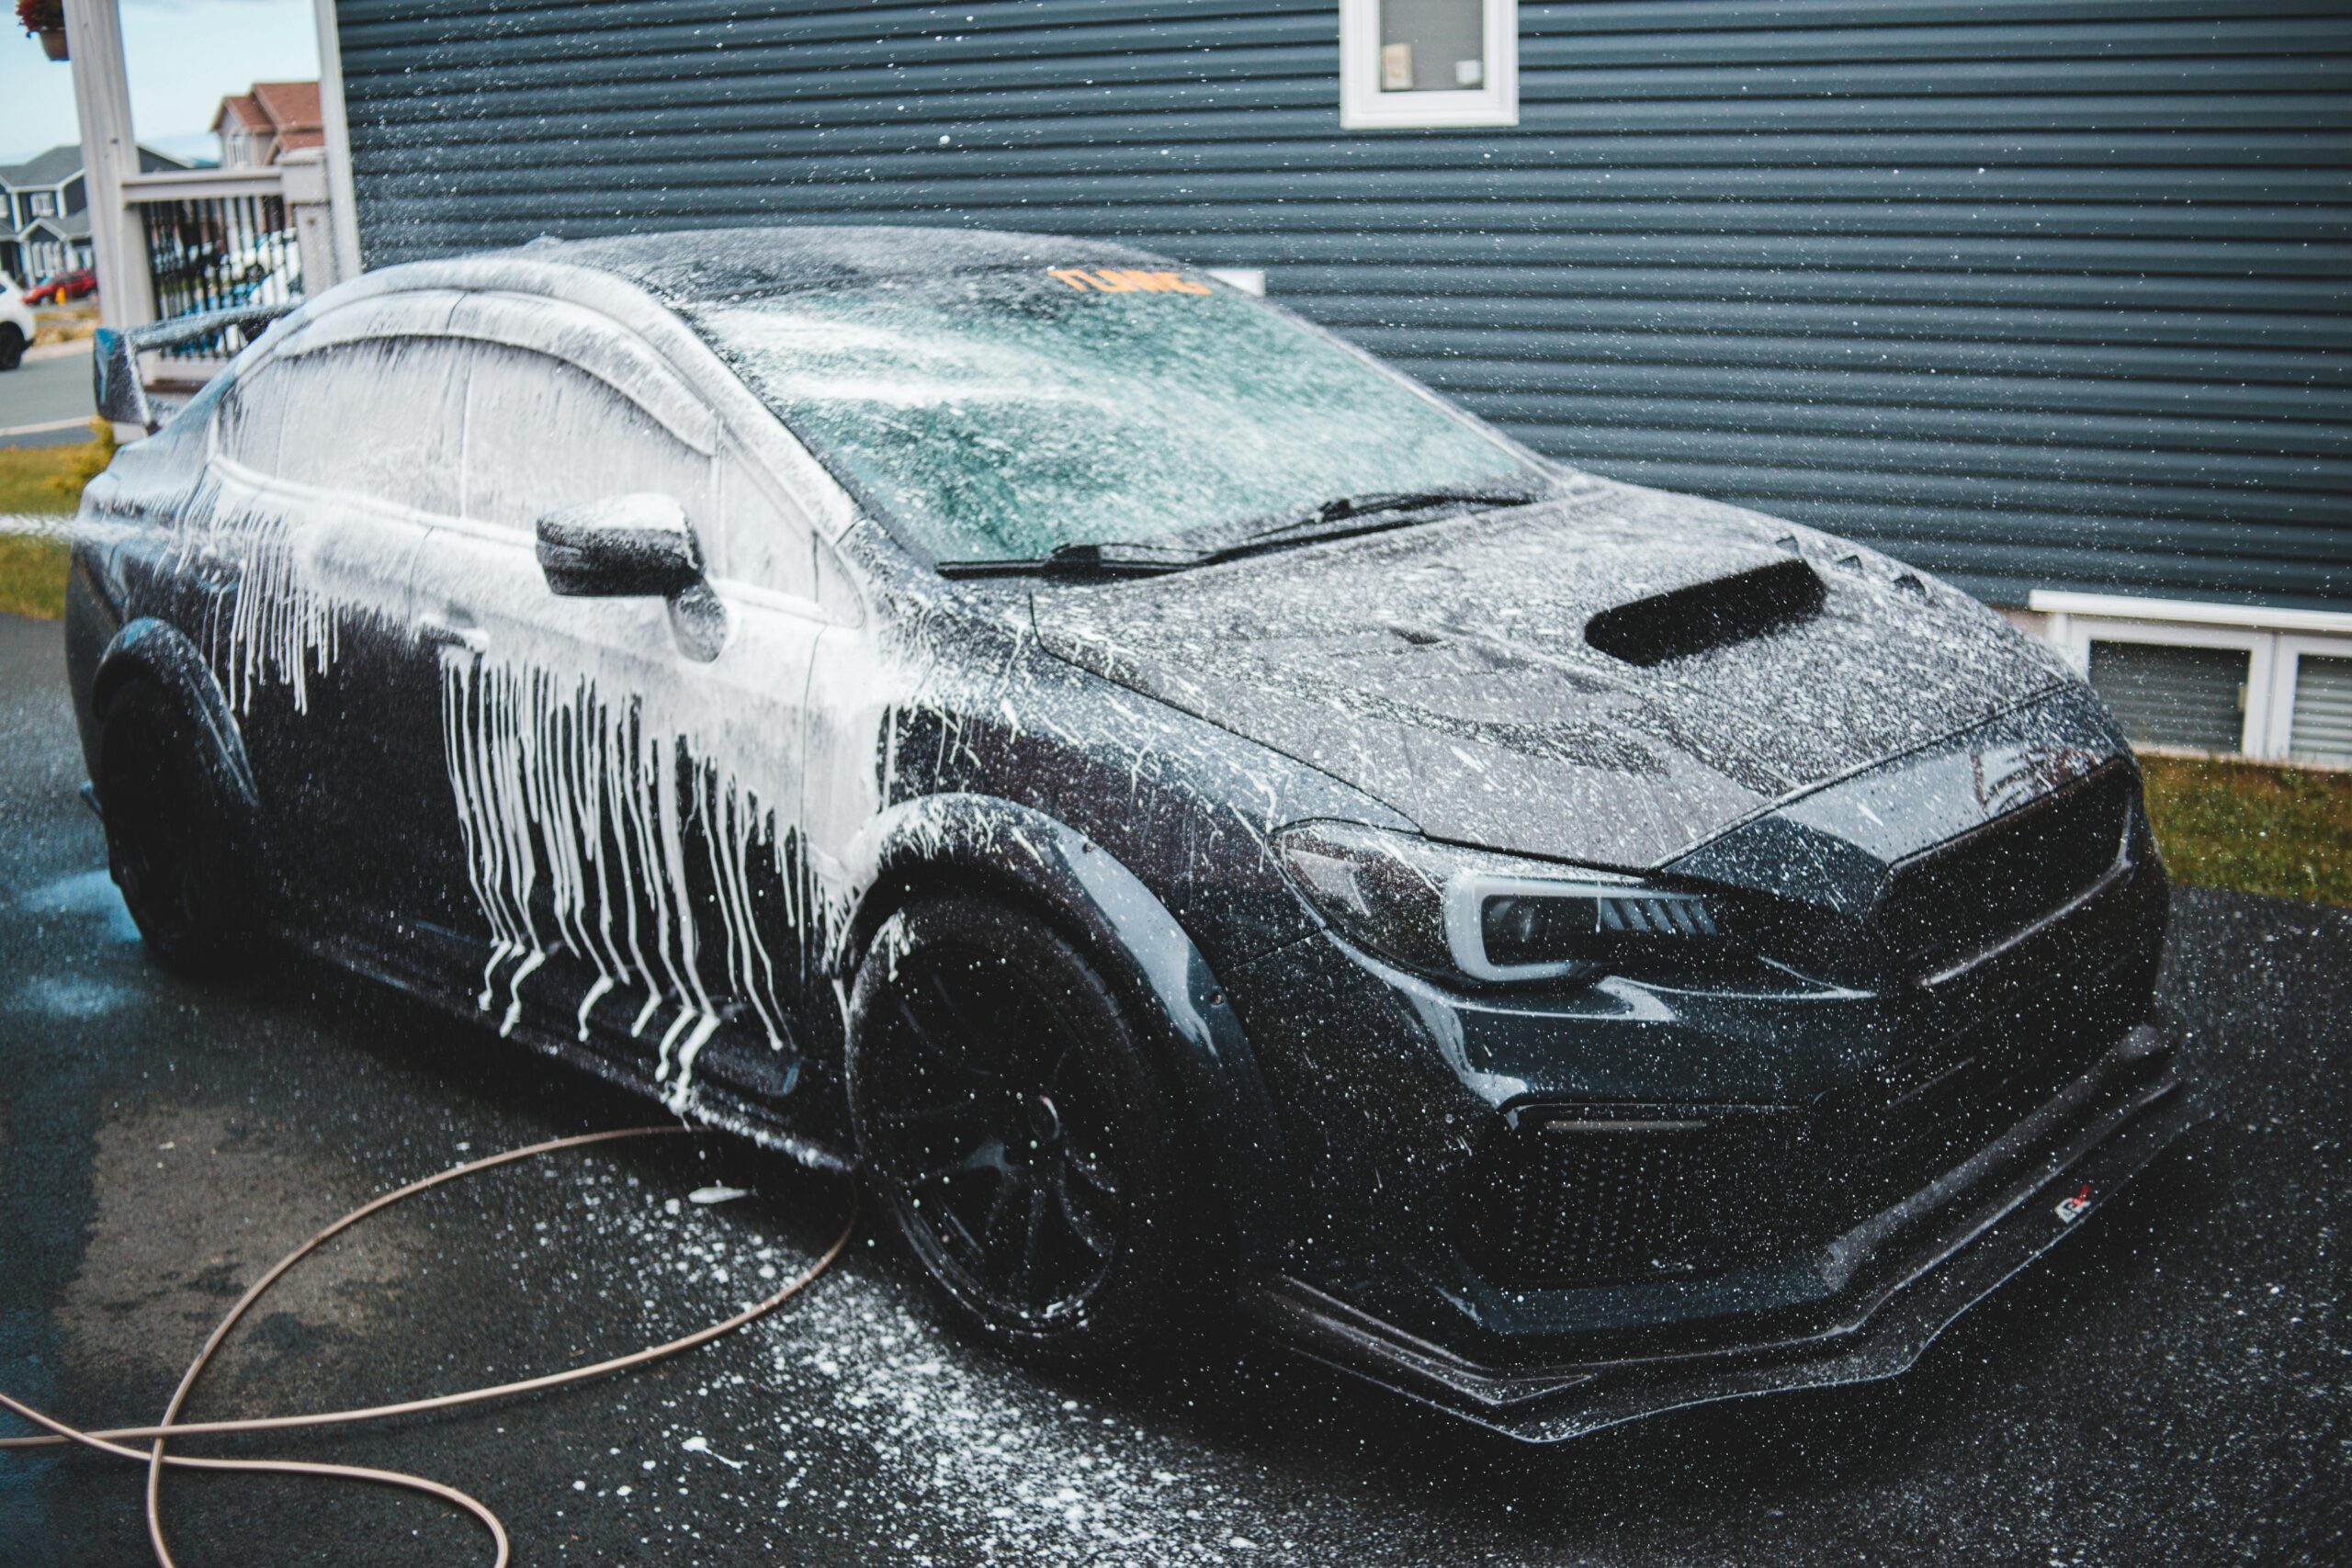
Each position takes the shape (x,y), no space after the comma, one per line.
(1009,1123)
(12,347)
(172,845)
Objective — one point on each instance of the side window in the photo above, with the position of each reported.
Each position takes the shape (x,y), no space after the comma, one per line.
(251,417)
(541,434)
(751,537)
(380,419)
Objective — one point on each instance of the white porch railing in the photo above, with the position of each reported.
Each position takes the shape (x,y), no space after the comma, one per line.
(213,238)
(170,244)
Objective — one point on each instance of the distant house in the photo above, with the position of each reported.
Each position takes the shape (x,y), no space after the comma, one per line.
(44,214)
(258,127)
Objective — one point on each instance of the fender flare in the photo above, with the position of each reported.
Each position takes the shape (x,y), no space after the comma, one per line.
(152,649)
(976,838)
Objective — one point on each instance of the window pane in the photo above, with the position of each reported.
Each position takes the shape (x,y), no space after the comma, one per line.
(751,539)
(2323,723)
(377,419)
(542,435)
(2192,697)
(1432,45)
(995,415)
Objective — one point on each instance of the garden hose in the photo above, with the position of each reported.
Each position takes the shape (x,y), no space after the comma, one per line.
(155,1457)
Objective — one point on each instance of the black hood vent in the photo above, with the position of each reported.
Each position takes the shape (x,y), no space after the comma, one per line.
(1707,614)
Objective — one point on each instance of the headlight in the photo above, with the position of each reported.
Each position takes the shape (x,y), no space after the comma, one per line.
(1490,917)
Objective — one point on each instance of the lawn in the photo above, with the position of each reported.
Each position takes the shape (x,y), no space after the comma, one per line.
(2220,824)
(2254,828)
(41,480)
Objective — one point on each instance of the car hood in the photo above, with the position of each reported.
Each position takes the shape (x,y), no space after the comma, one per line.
(1445,670)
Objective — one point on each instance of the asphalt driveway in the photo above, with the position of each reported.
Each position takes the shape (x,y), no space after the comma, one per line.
(2170,1386)
(47,401)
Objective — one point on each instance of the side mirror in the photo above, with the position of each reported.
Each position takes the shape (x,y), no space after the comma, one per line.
(114,369)
(635,546)
(626,546)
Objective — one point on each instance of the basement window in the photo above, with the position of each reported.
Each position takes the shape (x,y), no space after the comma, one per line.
(1428,63)
(2191,699)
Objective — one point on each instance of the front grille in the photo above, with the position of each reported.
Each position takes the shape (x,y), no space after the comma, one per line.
(1965,897)
(1589,1196)
(1617,1196)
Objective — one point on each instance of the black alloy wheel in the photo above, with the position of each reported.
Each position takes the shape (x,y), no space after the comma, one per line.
(171,846)
(12,347)
(1009,1121)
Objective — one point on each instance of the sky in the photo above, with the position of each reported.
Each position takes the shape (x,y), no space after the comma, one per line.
(183,57)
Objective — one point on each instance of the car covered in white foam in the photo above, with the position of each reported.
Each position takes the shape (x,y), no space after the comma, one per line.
(1180,807)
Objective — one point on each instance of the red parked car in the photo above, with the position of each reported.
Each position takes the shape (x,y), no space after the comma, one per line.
(66,286)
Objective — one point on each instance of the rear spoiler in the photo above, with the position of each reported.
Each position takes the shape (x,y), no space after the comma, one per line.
(114,361)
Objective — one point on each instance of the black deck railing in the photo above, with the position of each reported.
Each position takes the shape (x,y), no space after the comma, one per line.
(214,253)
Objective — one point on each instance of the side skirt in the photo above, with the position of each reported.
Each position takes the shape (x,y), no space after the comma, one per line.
(712,1104)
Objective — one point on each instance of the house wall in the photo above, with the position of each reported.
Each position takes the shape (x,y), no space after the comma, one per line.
(2036,293)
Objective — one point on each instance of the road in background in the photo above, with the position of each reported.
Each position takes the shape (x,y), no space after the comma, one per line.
(47,399)
(2168,1387)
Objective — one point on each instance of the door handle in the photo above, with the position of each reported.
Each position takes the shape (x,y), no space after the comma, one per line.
(447,632)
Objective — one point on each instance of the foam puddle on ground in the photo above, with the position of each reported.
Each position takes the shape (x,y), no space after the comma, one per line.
(855,1420)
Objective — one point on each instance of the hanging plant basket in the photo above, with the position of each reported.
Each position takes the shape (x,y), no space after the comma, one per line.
(46,18)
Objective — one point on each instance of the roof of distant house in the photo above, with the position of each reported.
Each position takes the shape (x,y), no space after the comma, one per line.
(53,167)
(289,110)
(60,164)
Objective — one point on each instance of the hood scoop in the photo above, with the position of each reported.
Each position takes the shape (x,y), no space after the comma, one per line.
(1709,615)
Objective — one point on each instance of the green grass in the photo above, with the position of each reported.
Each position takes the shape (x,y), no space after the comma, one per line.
(42,480)
(32,576)
(2253,827)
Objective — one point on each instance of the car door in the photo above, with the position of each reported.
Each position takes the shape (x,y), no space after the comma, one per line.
(626,809)
(331,461)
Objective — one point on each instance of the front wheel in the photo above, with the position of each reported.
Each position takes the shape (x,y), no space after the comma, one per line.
(1009,1122)
(12,347)
(185,874)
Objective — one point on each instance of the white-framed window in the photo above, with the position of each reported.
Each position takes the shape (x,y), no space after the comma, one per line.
(44,204)
(2313,723)
(2269,683)
(1428,63)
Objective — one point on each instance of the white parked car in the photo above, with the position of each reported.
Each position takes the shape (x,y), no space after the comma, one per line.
(16,323)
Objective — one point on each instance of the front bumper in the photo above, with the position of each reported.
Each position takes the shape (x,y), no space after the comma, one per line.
(1890,1284)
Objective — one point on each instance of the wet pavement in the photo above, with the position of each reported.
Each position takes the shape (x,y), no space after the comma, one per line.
(2168,1386)
(47,399)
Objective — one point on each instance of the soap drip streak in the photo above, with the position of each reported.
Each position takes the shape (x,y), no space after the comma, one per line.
(580,823)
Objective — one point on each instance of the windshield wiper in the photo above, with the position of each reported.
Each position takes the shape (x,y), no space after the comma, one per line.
(1347,515)
(1336,518)
(1091,559)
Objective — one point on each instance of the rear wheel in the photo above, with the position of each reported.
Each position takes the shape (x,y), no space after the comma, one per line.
(1009,1120)
(172,846)
(12,346)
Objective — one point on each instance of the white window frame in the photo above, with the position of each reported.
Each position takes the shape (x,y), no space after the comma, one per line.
(2273,640)
(1364,106)
(2292,650)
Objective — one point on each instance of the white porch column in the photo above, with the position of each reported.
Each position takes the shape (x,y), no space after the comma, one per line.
(343,202)
(109,156)
(310,208)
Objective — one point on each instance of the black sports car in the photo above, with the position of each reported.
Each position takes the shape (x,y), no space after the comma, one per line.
(1168,798)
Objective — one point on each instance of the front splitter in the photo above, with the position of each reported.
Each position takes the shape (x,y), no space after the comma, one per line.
(1961,1250)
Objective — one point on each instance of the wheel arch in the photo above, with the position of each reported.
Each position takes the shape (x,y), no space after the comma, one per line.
(155,650)
(991,845)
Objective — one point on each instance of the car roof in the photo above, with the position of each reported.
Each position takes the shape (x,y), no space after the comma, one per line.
(710,266)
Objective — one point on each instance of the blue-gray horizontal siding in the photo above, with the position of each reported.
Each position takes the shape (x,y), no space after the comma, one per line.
(2037,293)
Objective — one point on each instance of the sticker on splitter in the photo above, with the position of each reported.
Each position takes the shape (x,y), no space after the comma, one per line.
(2074,1208)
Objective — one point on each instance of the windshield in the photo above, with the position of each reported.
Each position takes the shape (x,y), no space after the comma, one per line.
(999,416)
